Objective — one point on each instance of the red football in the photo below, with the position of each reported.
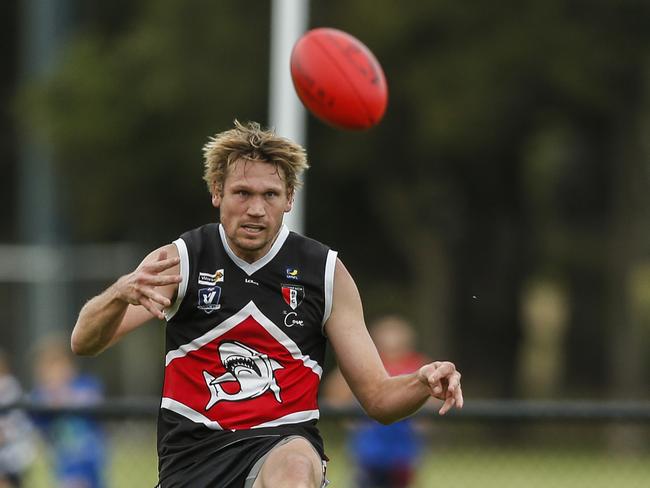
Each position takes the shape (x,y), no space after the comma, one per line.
(338,79)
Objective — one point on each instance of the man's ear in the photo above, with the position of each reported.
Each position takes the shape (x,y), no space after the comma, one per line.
(216,198)
(289,204)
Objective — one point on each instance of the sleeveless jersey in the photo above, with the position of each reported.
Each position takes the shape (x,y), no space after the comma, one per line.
(244,345)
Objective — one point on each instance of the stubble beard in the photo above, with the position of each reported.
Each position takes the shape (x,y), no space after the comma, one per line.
(254,249)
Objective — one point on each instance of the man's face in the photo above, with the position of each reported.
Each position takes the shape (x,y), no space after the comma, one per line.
(252,205)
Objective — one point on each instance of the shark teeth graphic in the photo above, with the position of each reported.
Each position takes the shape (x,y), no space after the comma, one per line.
(254,371)
(232,363)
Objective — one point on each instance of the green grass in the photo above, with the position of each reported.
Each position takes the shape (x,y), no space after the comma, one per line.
(132,463)
(480,464)
(508,468)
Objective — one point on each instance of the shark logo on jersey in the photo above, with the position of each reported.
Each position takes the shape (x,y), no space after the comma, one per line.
(254,371)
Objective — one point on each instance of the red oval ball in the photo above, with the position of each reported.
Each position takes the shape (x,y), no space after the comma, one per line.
(338,79)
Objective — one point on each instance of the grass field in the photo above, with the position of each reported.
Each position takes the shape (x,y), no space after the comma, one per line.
(497,468)
(486,465)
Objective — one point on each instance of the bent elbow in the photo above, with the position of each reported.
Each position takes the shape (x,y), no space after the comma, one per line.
(78,349)
(81,348)
(379,414)
(384,419)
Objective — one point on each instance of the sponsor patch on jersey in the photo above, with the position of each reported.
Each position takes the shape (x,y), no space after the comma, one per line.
(209,299)
(291,320)
(293,295)
(210,279)
(292,273)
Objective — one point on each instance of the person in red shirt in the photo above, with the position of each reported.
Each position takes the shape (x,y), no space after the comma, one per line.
(385,456)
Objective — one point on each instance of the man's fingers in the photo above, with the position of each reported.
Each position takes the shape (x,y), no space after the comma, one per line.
(442,370)
(162,265)
(458,396)
(151,307)
(437,374)
(443,380)
(162,280)
(444,383)
(453,382)
(156,297)
(453,398)
(446,373)
(449,402)
(142,284)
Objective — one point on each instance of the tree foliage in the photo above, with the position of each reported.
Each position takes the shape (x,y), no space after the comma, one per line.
(499,158)
(128,114)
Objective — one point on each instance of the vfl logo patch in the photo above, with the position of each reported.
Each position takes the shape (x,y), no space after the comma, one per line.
(210,279)
(209,299)
(292,273)
(293,295)
(252,370)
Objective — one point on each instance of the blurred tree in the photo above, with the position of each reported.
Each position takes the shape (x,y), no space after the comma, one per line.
(513,134)
(130,109)
(447,169)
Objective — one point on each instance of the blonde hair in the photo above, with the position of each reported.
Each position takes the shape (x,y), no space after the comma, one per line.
(249,141)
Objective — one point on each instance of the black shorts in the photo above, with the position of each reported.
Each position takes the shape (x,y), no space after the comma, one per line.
(226,468)
(257,467)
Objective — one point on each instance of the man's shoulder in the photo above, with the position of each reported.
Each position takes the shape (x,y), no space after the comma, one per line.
(198,234)
(307,243)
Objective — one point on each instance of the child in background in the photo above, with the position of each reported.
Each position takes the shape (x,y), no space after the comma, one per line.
(77,442)
(385,456)
(17,443)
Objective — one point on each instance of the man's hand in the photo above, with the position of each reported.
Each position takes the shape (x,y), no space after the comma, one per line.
(139,287)
(443,380)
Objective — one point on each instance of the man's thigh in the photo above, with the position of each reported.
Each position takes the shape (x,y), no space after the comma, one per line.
(296,457)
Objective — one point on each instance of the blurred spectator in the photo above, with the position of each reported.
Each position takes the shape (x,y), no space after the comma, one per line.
(17,446)
(76,442)
(385,456)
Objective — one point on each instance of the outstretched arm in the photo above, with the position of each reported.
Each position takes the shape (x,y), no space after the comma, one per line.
(128,303)
(385,398)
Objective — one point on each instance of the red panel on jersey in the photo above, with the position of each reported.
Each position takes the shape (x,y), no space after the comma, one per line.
(241,379)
